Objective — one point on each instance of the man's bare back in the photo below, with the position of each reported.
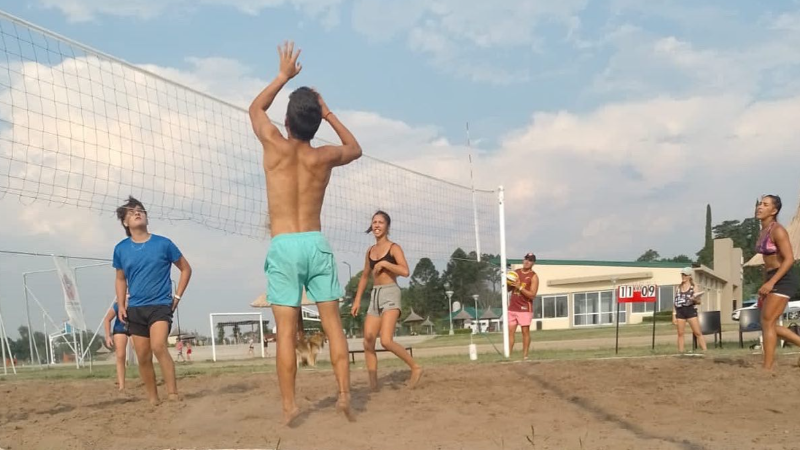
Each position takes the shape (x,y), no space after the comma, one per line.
(297,176)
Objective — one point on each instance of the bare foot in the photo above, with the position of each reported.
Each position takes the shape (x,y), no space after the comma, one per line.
(343,406)
(373,381)
(289,416)
(154,402)
(174,398)
(416,374)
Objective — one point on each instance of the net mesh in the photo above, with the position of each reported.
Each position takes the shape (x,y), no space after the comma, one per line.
(83,129)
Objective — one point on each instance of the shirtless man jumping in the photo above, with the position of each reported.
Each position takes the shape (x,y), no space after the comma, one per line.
(300,256)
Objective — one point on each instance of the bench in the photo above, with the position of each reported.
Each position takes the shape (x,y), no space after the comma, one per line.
(410,350)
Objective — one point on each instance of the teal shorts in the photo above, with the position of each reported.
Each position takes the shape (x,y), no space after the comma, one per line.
(301,260)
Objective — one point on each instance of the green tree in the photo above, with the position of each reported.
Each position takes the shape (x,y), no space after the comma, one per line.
(679,259)
(649,256)
(220,333)
(426,293)
(350,323)
(706,255)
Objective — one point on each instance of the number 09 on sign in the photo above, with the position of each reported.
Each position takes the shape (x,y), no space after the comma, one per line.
(637,293)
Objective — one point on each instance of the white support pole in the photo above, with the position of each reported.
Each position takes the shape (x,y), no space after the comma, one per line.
(474,203)
(28,316)
(503,264)
(47,350)
(75,349)
(213,343)
(2,344)
(97,330)
(261,332)
(4,339)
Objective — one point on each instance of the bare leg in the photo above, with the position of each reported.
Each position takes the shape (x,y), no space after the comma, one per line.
(286,358)
(159,332)
(388,323)
(146,371)
(681,332)
(120,344)
(512,330)
(372,326)
(771,310)
(526,341)
(332,325)
(694,323)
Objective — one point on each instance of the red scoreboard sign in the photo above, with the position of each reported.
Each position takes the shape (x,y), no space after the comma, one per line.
(639,293)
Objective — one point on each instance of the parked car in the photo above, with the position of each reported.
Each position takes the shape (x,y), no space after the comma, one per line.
(747,304)
(793,306)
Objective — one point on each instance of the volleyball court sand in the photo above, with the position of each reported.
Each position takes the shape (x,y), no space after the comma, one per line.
(656,403)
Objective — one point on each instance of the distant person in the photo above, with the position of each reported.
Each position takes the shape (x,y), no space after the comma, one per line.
(520,303)
(384,262)
(684,309)
(780,280)
(117,339)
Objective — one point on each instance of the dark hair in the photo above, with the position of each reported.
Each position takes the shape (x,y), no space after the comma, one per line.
(122,211)
(385,217)
(304,114)
(776,202)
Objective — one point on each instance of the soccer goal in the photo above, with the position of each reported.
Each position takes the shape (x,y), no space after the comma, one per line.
(233,333)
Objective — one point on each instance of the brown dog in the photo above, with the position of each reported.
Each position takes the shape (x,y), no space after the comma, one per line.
(308,347)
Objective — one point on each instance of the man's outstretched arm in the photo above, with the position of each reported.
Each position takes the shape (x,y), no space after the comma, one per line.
(264,129)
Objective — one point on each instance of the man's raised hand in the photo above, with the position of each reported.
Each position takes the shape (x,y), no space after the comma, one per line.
(289,67)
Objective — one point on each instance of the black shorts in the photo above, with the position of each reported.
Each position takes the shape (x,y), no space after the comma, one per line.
(786,286)
(140,318)
(685,312)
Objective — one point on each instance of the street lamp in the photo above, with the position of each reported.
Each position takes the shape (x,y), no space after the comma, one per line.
(349,270)
(477,322)
(449,294)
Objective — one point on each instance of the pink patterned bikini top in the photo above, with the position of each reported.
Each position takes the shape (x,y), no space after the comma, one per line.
(765,244)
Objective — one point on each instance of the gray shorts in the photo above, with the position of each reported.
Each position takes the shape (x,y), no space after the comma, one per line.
(384,297)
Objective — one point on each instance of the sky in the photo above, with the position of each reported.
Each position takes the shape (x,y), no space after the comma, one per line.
(610,124)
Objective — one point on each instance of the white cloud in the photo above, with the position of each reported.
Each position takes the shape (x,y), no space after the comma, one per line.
(471,40)
(327,11)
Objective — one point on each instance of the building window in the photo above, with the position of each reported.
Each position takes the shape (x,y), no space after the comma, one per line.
(595,308)
(663,302)
(551,307)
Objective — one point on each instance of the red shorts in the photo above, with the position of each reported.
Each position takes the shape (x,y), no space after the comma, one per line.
(520,318)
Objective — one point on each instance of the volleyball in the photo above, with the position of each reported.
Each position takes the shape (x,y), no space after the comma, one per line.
(512,277)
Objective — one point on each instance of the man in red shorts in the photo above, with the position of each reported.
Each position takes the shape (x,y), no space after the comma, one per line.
(520,303)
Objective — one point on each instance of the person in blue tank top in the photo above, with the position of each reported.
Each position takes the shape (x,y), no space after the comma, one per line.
(143,262)
(117,339)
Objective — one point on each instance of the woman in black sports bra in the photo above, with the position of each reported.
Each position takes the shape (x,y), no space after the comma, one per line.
(385,261)
(780,282)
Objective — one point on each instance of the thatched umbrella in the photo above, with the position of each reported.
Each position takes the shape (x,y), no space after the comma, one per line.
(412,319)
(428,324)
(463,316)
(262,302)
(793,229)
(489,315)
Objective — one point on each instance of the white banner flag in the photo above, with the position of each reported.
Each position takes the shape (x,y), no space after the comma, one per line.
(72,301)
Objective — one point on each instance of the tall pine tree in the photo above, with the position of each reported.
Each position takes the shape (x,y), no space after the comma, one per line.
(706,255)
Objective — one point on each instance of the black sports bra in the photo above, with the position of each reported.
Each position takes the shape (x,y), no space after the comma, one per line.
(387,257)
